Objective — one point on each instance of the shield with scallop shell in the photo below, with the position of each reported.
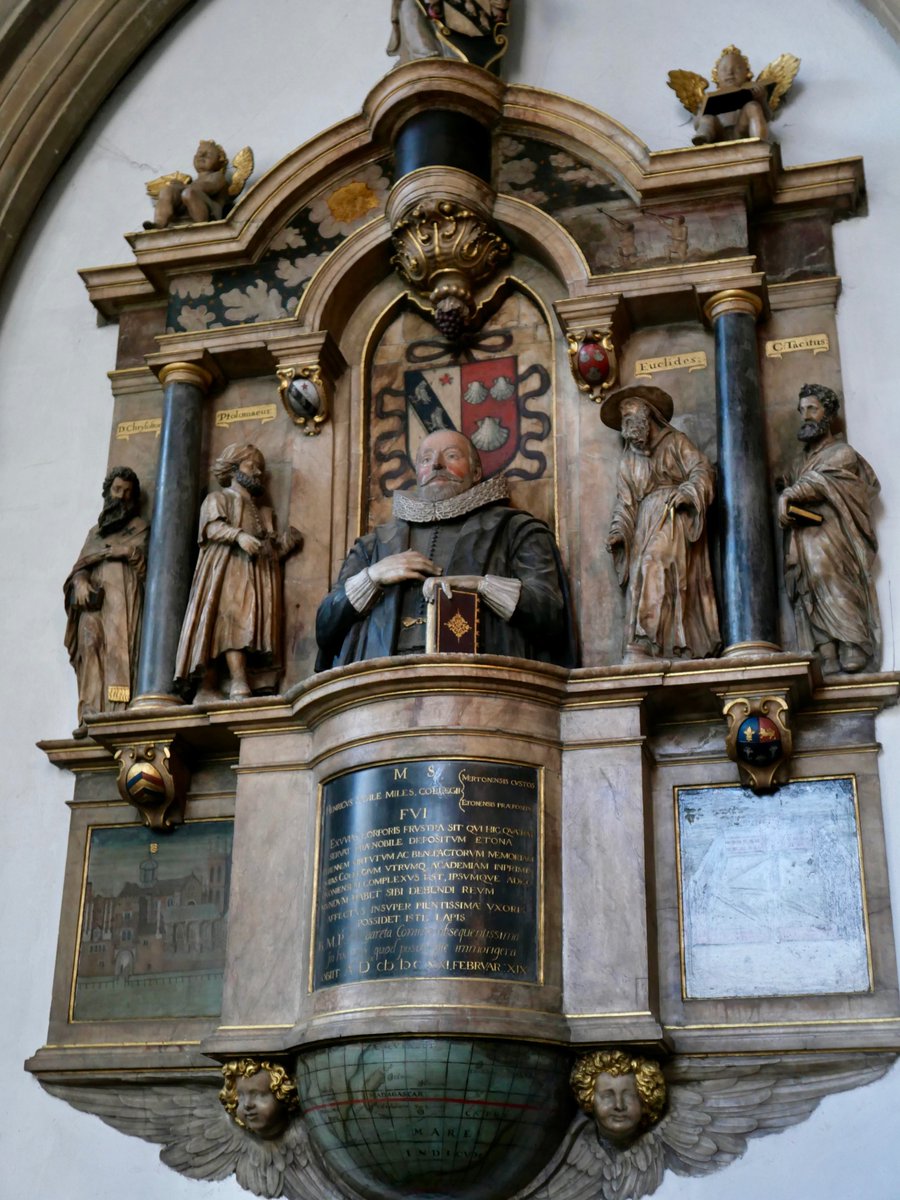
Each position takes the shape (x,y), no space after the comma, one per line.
(479,399)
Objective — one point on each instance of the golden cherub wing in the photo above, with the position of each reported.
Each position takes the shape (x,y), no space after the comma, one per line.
(242,164)
(781,72)
(689,87)
(155,186)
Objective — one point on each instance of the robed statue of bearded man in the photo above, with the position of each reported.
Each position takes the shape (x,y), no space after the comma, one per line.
(826,508)
(658,532)
(104,598)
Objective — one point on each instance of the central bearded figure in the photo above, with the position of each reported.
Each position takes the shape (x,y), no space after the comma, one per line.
(456,532)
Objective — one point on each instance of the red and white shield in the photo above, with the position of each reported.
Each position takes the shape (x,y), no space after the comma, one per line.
(479,399)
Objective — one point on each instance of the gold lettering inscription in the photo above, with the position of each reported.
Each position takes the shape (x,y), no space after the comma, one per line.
(817,342)
(695,360)
(253,412)
(127,429)
(424,889)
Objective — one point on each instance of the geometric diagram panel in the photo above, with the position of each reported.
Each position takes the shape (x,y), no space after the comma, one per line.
(771,891)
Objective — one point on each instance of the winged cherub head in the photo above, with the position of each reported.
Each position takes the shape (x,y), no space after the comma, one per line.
(259,1095)
(626,1096)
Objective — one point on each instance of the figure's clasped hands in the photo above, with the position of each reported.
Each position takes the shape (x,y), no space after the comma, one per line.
(398,568)
(464,583)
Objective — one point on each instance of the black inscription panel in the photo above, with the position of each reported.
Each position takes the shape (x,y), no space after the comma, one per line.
(429,870)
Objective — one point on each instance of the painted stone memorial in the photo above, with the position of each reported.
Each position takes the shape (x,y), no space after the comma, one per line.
(429,870)
(534,894)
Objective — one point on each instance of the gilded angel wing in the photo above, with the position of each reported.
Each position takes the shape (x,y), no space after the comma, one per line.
(781,72)
(242,165)
(155,186)
(689,87)
(715,1108)
(587,1168)
(201,1141)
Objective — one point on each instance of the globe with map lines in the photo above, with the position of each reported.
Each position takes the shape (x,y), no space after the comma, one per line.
(435,1117)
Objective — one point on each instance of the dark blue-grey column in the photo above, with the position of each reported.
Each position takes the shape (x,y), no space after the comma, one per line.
(172,532)
(750,624)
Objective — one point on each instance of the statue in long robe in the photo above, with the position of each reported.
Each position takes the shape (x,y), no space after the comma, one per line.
(104,597)
(826,508)
(658,531)
(235,609)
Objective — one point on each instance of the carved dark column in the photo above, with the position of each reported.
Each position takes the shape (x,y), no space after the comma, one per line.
(172,531)
(440,138)
(749,624)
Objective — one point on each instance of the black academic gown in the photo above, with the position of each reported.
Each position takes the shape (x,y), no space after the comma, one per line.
(495,540)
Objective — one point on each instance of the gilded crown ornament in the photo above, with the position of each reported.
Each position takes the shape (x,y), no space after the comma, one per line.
(445,250)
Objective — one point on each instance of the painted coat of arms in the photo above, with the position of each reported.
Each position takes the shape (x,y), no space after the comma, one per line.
(495,389)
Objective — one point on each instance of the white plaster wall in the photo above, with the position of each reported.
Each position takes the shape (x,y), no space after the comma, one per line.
(272,73)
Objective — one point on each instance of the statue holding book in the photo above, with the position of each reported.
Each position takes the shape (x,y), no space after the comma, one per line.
(826,508)
(740,106)
(455,538)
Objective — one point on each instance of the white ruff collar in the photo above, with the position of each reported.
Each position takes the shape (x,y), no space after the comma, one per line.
(426,512)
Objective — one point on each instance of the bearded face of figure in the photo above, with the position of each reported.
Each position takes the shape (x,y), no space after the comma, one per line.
(249,474)
(816,422)
(446,466)
(118,505)
(636,424)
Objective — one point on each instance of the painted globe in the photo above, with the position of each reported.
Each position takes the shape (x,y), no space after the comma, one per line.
(144,783)
(593,363)
(435,1118)
(759,741)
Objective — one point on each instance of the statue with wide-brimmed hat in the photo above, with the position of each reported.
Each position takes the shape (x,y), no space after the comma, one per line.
(658,532)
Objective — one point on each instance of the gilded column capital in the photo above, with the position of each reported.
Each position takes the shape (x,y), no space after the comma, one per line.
(186,372)
(732,300)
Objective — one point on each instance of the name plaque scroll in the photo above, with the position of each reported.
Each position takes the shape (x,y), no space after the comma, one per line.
(429,870)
